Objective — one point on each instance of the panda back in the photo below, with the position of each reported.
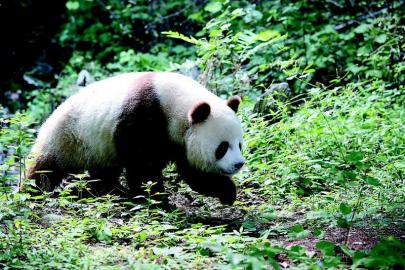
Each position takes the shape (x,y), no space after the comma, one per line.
(80,131)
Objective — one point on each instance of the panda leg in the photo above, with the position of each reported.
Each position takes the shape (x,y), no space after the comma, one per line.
(106,181)
(47,174)
(210,184)
(137,179)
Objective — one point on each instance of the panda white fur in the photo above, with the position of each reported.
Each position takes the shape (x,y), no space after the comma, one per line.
(140,122)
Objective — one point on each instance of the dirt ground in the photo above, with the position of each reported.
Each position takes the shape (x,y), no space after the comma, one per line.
(360,237)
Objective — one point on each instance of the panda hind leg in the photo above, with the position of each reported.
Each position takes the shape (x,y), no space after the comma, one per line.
(106,181)
(47,174)
(137,181)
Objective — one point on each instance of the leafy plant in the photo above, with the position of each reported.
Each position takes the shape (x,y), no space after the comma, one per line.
(235,56)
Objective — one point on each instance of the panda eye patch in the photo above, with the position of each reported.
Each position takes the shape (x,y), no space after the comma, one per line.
(221,150)
(240,146)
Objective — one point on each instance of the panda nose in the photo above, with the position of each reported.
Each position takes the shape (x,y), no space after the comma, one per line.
(239,165)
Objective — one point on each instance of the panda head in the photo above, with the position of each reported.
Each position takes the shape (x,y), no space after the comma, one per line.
(214,139)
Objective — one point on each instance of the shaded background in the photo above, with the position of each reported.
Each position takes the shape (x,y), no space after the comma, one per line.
(28,29)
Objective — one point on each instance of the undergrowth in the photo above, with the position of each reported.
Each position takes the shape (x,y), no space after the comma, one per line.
(336,163)
(323,187)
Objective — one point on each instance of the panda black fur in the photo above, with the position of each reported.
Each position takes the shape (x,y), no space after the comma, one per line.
(140,122)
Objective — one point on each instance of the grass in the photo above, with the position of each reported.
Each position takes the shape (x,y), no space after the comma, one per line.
(320,189)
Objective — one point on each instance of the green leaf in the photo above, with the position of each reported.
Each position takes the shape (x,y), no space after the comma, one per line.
(318,233)
(267,35)
(72,5)
(354,156)
(350,174)
(342,222)
(103,233)
(297,252)
(215,32)
(354,68)
(297,228)
(347,250)
(197,16)
(269,216)
(362,28)
(372,181)
(298,232)
(345,209)
(249,225)
(326,247)
(213,7)
(302,235)
(381,38)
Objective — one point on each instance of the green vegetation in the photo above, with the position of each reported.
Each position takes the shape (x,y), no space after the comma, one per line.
(324,183)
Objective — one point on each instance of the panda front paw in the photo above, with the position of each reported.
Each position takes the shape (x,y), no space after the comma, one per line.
(213,185)
(226,191)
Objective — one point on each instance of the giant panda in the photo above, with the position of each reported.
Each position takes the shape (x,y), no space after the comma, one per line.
(140,122)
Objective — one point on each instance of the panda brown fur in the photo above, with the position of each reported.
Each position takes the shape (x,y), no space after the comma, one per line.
(140,122)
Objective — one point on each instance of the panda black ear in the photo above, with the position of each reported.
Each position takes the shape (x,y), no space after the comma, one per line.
(199,113)
(233,102)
